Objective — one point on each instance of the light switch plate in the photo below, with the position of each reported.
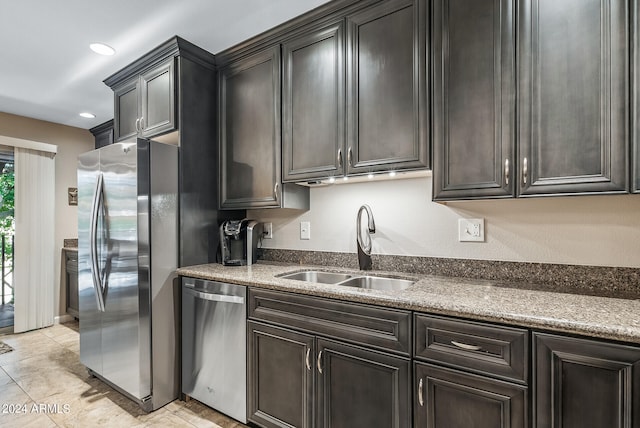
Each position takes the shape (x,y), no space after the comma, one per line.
(305,230)
(267,233)
(471,230)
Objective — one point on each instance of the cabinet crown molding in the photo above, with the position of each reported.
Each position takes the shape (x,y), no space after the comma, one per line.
(175,46)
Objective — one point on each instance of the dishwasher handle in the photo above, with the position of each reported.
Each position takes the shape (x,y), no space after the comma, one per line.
(213,297)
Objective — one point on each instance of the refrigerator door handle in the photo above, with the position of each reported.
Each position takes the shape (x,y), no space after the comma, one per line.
(214,297)
(93,244)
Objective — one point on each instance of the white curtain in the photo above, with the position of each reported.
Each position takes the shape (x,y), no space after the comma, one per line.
(34,253)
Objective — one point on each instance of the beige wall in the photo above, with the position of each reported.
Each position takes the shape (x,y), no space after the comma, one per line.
(584,230)
(71,142)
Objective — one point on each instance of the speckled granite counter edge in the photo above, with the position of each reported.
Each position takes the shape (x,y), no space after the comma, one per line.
(589,316)
(602,281)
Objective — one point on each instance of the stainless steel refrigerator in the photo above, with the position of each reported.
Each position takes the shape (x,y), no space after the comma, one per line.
(127,256)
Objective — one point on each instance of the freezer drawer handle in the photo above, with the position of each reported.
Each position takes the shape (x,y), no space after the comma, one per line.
(214,297)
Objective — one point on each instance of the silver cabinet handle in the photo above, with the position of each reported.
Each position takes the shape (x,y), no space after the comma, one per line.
(525,171)
(138,125)
(275,191)
(340,158)
(420,397)
(506,172)
(319,362)
(142,123)
(308,359)
(466,346)
(350,156)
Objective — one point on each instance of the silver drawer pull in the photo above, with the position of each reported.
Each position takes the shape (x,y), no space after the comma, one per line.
(307,359)
(420,397)
(319,362)
(466,346)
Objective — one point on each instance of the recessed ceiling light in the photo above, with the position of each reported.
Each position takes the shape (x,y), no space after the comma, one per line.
(102,49)
(88,115)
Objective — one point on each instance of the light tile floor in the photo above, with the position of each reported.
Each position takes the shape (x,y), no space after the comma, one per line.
(43,384)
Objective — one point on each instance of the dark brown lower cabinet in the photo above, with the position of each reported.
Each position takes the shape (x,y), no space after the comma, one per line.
(359,388)
(447,398)
(354,387)
(585,383)
(280,375)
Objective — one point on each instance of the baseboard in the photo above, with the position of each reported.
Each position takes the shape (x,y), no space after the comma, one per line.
(63,319)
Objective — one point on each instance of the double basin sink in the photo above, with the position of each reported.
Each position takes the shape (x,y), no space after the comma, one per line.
(350,280)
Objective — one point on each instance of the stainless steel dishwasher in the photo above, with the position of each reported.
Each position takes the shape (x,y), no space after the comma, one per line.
(214,338)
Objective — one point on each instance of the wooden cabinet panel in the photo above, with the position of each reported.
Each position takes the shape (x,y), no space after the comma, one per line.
(313,104)
(158,100)
(585,383)
(280,376)
(473,55)
(249,123)
(383,328)
(451,399)
(145,105)
(358,388)
(126,117)
(573,94)
(103,134)
(486,349)
(387,114)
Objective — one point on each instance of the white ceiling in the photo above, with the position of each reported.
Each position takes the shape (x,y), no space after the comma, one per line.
(48,72)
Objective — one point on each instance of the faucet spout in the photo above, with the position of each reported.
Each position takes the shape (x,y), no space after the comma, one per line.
(364,243)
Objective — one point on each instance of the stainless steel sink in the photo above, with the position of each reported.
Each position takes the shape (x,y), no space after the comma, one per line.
(317,276)
(350,280)
(377,283)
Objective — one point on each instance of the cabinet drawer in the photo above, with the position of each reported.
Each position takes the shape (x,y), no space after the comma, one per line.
(487,349)
(382,328)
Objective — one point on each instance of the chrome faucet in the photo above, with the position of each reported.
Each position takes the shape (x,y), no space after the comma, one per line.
(364,248)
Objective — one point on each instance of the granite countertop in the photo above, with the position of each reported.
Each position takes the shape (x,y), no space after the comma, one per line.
(602,317)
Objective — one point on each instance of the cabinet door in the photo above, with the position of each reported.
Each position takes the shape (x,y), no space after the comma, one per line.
(387,117)
(573,109)
(249,119)
(280,373)
(126,114)
(585,383)
(313,105)
(158,100)
(473,56)
(452,399)
(358,388)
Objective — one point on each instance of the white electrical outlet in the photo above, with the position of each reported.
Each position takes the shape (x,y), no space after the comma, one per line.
(305,230)
(471,230)
(267,233)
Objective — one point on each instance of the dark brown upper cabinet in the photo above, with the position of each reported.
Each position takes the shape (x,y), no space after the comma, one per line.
(357,104)
(313,104)
(250,139)
(103,134)
(387,116)
(571,103)
(473,57)
(573,97)
(145,104)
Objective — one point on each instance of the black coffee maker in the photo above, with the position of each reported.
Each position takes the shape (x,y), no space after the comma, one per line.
(239,242)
